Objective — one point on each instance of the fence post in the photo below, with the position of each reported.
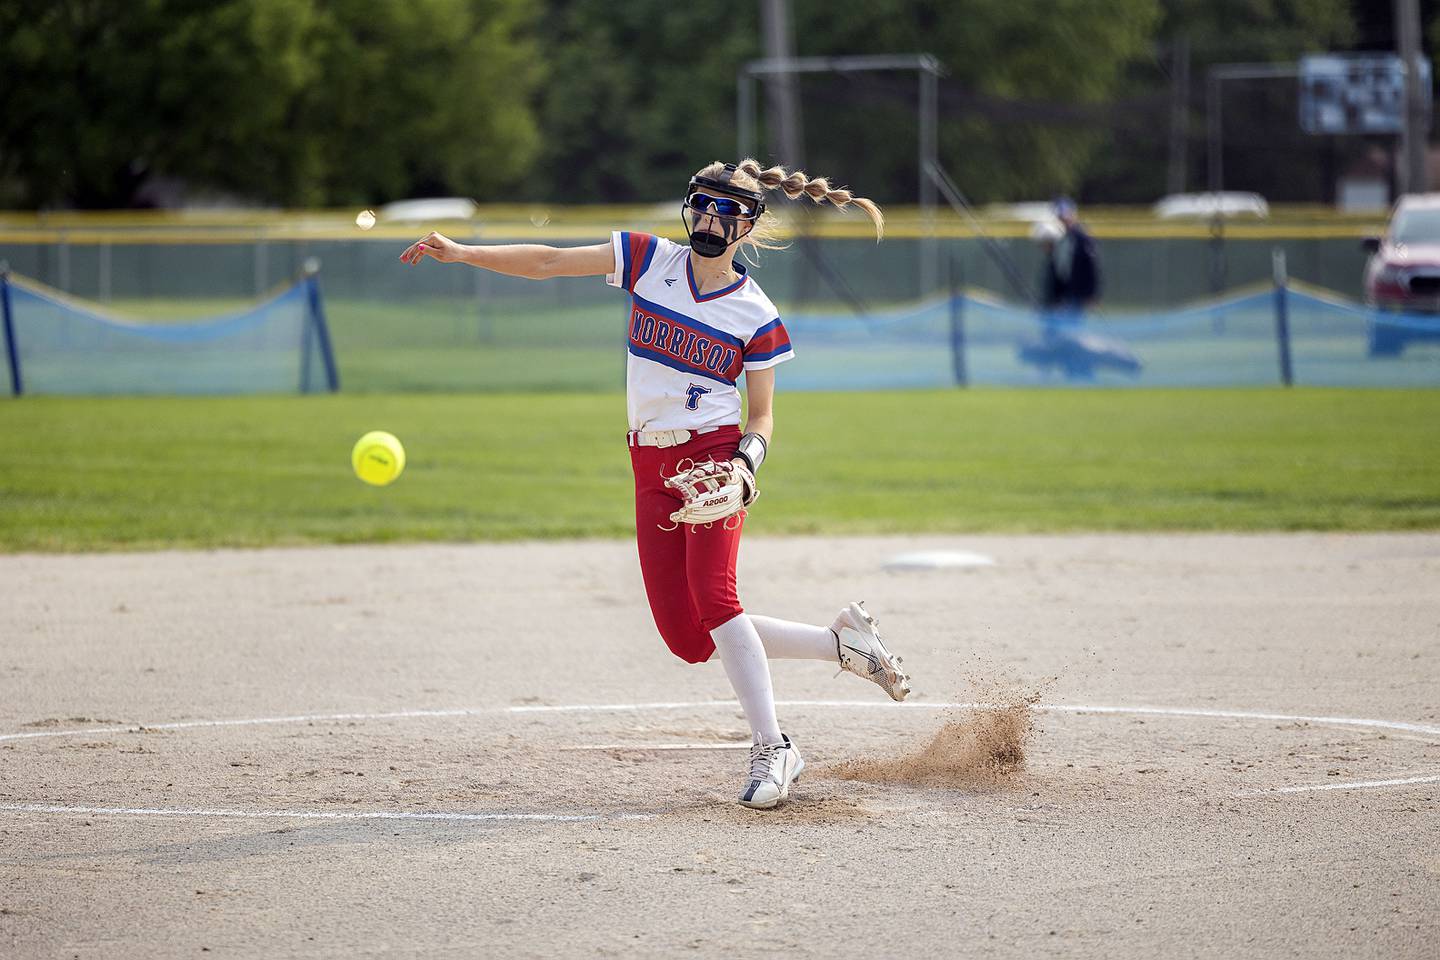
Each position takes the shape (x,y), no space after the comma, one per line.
(1282,316)
(317,317)
(62,262)
(12,352)
(262,263)
(105,271)
(957,324)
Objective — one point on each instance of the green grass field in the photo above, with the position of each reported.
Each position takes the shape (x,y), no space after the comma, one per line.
(123,473)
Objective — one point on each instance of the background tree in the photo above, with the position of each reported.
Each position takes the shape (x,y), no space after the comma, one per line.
(640,95)
(643,92)
(315,102)
(284,101)
(1014,104)
(1265,149)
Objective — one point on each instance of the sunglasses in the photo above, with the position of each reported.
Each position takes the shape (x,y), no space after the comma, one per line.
(723,206)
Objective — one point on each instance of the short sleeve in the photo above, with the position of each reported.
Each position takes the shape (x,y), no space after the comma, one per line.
(633,254)
(769,345)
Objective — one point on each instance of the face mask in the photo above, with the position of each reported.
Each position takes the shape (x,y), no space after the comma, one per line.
(709,245)
(725,214)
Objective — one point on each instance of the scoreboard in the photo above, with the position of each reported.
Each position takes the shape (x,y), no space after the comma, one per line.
(1356,94)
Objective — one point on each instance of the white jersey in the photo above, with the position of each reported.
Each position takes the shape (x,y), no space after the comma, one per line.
(687,350)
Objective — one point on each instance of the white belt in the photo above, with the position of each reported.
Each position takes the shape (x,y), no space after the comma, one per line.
(665,438)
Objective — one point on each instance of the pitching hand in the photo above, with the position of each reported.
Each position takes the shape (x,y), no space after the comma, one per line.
(435,245)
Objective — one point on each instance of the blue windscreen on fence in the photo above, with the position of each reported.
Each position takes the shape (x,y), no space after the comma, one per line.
(1336,342)
(58,345)
(1303,336)
(510,338)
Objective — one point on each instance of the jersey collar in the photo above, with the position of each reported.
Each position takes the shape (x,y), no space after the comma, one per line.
(714,294)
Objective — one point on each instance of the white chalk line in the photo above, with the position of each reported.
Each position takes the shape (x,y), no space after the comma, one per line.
(1246,715)
(1432,731)
(320,814)
(246,722)
(647,747)
(1354,785)
(1179,712)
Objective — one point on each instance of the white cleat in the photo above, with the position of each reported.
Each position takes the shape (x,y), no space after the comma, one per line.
(863,653)
(773,767)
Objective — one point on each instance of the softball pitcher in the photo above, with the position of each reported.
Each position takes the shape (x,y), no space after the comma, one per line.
(697,321)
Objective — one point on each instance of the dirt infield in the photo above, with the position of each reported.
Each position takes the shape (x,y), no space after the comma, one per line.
(1186,746)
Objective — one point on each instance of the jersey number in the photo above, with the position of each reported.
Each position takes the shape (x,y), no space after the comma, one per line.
(693,395)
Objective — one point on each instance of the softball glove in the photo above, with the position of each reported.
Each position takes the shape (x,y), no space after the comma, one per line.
(711,490)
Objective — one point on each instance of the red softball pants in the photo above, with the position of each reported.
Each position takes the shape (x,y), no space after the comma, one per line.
(689,571)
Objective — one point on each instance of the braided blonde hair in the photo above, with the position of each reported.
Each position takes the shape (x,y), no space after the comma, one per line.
(749,175)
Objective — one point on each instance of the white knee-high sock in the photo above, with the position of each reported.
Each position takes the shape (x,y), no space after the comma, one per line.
(788,640)
(743,656)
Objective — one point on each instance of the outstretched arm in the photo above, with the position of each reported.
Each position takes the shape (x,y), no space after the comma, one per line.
(532,260)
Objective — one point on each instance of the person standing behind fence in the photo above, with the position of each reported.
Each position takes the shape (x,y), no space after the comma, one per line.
(1072,269)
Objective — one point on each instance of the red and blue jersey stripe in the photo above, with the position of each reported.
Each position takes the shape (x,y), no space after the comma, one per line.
(769,342)
(637,249)
(683,343)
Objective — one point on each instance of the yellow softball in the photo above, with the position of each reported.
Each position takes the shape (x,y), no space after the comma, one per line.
(378,458)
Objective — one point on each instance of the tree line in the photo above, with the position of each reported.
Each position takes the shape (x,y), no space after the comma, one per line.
(357,102)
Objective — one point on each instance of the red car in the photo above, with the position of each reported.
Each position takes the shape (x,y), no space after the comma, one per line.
(1403,274)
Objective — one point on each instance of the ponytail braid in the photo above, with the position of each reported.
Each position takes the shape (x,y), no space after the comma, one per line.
(749,175)
(797,183)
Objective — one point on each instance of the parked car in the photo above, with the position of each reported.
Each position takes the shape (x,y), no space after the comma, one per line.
(1403,274)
